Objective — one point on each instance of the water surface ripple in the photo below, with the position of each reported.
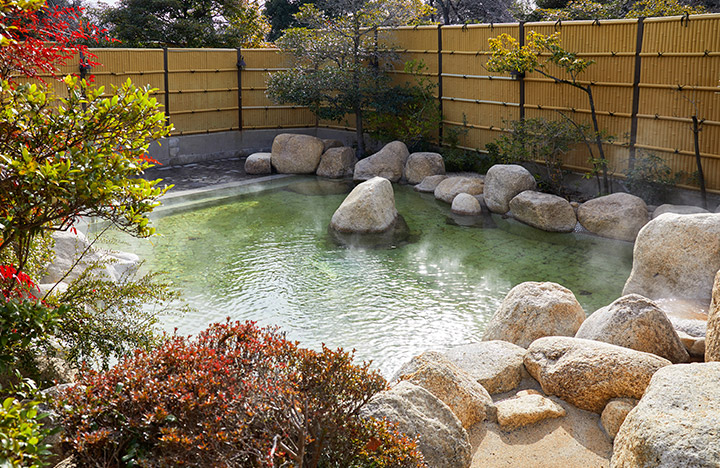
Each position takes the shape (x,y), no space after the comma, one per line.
(268,258)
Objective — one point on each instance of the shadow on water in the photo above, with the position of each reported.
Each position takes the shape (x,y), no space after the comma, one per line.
(321,187)
(397,236)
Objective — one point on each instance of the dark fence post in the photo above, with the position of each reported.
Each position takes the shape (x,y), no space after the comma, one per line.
(167,85)
(636,92)
(521,76)
(440,83)
(240,66)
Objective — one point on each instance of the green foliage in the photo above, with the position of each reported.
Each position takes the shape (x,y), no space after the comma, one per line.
(651,179)
(22,324)
(648,8)
(407,112)
(190,23)
(77,156)
(459,159)
(281,15)
(337,57)
(538,140)
(105,320)
(237,395)
(586,9)
(22,432)
(508,56)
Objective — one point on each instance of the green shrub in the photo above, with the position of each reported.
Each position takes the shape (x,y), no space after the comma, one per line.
(538,140)
(237,395)
(651,179)
(22,432)
(407,112)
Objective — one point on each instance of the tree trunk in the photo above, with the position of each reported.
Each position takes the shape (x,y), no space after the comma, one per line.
(698,161)
(598,139)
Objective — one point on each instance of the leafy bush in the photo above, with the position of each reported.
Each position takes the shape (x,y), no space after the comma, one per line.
(540,140)
(22,432)
(105,320)
(407,112)
(237,395)
(651,179)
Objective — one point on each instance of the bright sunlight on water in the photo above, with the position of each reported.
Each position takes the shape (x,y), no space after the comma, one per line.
(267,257)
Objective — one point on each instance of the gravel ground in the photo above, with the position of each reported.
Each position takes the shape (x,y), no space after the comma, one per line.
(200,174)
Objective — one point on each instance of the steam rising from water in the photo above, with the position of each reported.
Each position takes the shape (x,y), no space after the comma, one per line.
(269,258)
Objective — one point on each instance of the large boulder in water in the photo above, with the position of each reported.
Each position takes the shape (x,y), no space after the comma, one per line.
(587,373)
(466,205)
(389,163)
(503,182)
(617,216)
(421,165)
(676,256)
(532,310)
(451,187)
(296,154)
(676,423)
(369,208)
(635,322)
(678,209)
(430,183)
(337,162)
(543,211)
(418,413)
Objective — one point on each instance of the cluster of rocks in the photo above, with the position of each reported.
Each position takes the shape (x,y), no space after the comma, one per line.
(306,154)
(545,372)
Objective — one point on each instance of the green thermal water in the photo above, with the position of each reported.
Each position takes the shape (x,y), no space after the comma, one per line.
(268,257)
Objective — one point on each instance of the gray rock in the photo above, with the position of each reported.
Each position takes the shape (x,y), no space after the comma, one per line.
(635,322)
(296,154)
(615,413)
(532,310)
(258,163)
(676,423)
(449,188)
(329,143)
(369,208)
(467,399)
(106,264)
(389,163)
(466,205)
(695,346)
(617,216)
(588,373)
(503,182)
(430,183)
(337,162)
(418,413)
(496,365)
(677,209)
(676,256)
(525,408)
(712,338)
(543,211)
(421,165)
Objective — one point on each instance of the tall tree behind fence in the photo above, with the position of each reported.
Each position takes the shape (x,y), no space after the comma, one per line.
(650,77)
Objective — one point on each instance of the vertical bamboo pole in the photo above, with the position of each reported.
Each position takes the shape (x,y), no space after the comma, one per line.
(636,92)
(440,81)
(240,64)
(521,76)
(167,86)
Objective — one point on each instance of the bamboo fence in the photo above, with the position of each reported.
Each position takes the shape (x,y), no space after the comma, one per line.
(649,78)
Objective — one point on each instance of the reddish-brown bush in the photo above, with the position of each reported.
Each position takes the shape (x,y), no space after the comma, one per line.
(237,395)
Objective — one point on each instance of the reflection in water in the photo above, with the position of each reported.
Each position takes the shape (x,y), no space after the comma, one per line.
(269,258)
